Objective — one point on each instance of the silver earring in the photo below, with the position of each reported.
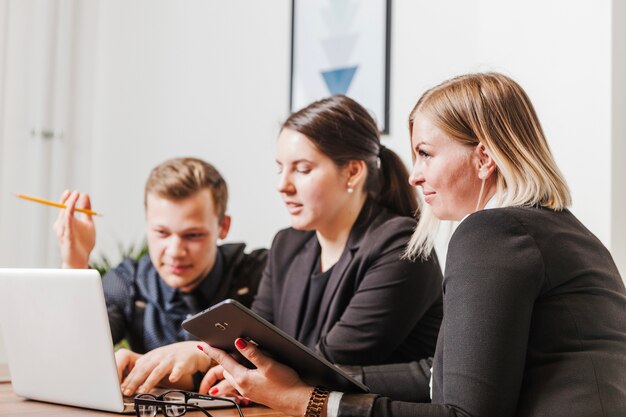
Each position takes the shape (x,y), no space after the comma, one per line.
(350,190)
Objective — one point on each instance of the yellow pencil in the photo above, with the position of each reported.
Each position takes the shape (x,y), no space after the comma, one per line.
(55,204)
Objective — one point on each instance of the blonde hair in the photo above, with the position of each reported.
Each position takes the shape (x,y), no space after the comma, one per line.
(179,178)
(493,110)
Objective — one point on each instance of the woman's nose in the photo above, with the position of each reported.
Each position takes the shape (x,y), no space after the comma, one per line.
(416,178)
(284,185)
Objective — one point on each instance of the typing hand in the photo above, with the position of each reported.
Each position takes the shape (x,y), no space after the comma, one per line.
(125,360)
(179,361)
(76,235)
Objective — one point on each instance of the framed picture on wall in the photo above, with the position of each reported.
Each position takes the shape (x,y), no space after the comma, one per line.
(341,47)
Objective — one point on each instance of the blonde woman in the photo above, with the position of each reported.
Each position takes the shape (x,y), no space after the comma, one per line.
(534,307)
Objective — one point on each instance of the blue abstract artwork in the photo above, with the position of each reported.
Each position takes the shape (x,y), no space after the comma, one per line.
(341,47)
(338,80)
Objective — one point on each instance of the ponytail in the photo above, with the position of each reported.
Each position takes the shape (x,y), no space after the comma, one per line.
(395,191)
(344,131)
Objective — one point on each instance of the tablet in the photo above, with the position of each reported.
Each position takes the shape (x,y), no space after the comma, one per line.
(223,323)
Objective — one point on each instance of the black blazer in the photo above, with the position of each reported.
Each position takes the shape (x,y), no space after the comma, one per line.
(376,308)
(534,324)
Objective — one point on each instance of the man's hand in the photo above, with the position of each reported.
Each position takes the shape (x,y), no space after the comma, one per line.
(179,361)
(125,360)
(76,236)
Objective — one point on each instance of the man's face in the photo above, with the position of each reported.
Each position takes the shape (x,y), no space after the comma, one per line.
(182,237)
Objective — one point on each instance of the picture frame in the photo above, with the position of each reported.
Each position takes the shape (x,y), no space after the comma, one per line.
(341,47)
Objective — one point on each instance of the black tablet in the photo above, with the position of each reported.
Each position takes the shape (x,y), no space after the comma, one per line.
(223,323)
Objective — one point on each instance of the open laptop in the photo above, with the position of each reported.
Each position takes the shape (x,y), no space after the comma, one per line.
(58,340)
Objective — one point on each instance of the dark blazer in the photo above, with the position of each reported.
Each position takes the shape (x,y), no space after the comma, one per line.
(376,308)
(534,324)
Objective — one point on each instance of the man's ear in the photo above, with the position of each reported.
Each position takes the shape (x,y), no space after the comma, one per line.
(224,227)
(485,164)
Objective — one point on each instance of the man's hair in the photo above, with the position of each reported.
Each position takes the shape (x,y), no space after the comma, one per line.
(179,178)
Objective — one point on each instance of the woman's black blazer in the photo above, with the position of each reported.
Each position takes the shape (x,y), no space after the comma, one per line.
(376,308)
(534,325)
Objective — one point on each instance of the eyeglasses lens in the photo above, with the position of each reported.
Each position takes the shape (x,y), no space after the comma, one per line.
(146,410)
(175,410)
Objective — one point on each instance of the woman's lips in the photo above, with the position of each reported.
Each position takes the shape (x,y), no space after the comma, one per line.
(293,208)
(428,197)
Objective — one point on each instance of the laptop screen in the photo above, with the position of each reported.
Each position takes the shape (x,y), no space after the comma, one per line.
(57,337)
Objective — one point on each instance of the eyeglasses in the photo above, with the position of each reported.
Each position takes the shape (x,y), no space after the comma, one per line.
(175,403)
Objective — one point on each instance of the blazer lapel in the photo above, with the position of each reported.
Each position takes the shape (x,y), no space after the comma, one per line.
(295,286)
(357,234)
(334,281)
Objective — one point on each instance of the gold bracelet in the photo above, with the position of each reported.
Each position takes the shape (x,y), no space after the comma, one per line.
(316,402)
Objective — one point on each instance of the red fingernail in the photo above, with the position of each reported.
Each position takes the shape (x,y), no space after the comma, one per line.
(213,391)
(240,343)
(200,347)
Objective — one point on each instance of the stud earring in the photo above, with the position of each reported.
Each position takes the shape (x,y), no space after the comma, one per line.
(350,189)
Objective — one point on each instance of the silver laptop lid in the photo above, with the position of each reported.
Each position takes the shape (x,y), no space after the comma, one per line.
(57,337)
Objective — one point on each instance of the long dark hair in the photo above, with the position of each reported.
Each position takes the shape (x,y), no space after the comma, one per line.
(344,131)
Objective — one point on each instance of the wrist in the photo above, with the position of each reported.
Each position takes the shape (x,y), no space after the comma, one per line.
(297,402)
(318,403)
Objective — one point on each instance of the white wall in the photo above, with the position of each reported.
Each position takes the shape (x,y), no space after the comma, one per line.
(211,78)
(618,145)
(565,70)
(3,354)
(208,79)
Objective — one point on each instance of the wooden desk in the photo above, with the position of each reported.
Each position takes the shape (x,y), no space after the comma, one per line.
(12,405)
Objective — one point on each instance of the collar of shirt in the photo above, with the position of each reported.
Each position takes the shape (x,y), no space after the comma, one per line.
(492,203)
(207,288)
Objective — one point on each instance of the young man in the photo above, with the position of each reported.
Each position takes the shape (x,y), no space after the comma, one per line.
(184,273)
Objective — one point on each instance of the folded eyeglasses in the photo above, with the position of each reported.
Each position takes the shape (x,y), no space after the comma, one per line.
(175,403)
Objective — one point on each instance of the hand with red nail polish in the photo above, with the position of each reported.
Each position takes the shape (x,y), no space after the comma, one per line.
(271,383)
(214,383)
(240,343)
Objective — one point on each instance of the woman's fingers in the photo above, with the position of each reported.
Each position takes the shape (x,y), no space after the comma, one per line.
(221,357)
(253,354)
(213,376)
(224,389)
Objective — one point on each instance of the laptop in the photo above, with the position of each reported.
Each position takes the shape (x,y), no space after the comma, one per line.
(58,340)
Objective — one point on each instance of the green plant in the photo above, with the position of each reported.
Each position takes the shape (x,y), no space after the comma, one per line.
(133,251)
